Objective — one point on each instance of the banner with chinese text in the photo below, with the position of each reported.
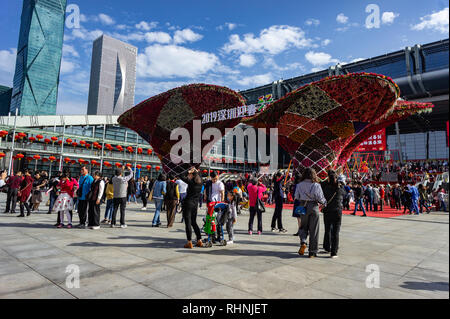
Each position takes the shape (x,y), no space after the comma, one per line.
(376,142)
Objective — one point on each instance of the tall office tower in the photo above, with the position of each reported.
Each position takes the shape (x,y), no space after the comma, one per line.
(113,77)
(5,99)
(36,79)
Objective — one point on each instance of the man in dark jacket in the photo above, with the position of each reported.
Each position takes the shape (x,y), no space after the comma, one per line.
(171,198)
(358,192)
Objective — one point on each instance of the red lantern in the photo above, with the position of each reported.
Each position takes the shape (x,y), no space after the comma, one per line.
(74,144)
(60,142)
(149,152)
(118,165)
(69,141)
(45,160)
(54,138)
(94,162)
(67,160)
(130,149)
(32,139)
(3,133)
(157,168)
(138,166)
(119,147)
(29,158)
(108,146)
(149,167)
(205,171)
(39,137)
(107,164)
(139,150)
(129,165)
(47,140)
(82,142)
(52,158)
(81,161)
(21,135)
(73,161)
(2,154)
(88,145)
(20,156)
(37,157)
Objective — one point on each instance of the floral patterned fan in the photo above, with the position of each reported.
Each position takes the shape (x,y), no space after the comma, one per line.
(401,111)
(317,121)
(155,118)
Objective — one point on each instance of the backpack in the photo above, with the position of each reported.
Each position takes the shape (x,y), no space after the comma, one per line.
(171,193)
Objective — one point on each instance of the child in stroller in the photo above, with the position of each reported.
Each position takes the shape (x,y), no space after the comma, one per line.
(214,221)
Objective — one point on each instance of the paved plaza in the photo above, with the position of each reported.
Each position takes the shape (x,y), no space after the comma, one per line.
(411,253)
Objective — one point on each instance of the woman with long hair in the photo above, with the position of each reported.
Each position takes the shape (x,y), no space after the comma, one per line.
(190,206)
(334,193)
(64,202)
(310,195)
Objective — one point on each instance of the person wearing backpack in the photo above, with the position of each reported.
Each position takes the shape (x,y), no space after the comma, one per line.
(171,198)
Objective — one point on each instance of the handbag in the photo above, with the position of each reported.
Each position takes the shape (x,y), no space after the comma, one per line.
(299,211)
(260,206)
(150,196)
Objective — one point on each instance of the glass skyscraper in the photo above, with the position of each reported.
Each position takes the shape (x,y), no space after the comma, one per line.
(36,79)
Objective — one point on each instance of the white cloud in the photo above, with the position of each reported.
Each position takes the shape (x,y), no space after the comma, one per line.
(326,42)
(69,50)
(149,88)
(146,26)
(229,25)
(84,34)
(311,21)
(255,80)
(122,27)
(271,64)
(316,69)
(273,40)
(186,35)
(8,60)
(341,18)
(106,19)
(159,37)
(247,60)
(388,17)
(168,61)
(67,66)
(437,21)
(319,59)
(7,66)
(69,107)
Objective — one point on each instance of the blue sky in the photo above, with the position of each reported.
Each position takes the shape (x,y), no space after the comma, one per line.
(238,44)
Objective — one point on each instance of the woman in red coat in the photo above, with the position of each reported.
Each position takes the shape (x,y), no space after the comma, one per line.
(24,193)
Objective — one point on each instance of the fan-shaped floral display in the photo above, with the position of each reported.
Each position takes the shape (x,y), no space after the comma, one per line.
(401,111)
(155,118)
(317,121)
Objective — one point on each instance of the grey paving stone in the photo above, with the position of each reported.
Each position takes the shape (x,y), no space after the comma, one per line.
(181,284)
(47,292)
(21,281)
(223,292)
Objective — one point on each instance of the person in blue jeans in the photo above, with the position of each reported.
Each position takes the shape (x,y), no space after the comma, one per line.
(159,189)
(358,192)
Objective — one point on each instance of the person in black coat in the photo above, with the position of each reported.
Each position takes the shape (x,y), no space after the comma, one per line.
(334,193)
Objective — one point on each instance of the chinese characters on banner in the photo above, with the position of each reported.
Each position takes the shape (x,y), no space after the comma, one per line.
(239,111)
(376,142)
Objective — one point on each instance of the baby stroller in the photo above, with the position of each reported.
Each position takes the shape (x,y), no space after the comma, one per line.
(214,221)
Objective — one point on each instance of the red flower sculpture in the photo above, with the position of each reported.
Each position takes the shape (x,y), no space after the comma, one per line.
(316,121)
(155,118)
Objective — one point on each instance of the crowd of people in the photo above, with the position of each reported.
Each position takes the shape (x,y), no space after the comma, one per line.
(224,201)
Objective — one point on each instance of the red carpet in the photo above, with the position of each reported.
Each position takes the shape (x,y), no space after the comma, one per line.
(387,212)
